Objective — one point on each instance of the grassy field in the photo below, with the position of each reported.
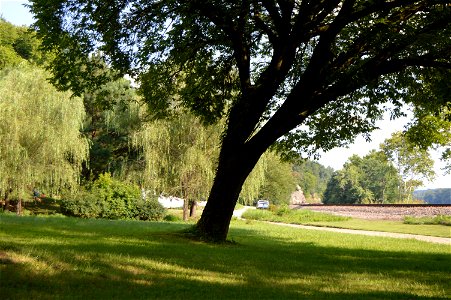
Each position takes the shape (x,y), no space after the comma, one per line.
(68,258)
(307,217)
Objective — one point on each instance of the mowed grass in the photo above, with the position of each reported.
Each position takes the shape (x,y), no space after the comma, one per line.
(390,226)
(68,258)
(308,217)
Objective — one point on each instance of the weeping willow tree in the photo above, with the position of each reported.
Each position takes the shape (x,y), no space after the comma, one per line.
(255,181)
(180,157)
(40,141)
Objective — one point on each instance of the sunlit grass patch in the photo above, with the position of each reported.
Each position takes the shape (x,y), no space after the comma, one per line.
(286,215)
(66,258)
(437,220)
(389,226)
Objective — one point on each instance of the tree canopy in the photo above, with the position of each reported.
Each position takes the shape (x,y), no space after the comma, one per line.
(371,179)
(40,142)
(268,66)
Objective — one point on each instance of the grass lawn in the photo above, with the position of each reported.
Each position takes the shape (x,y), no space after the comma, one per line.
(68,258)
(307,217)
(390,226)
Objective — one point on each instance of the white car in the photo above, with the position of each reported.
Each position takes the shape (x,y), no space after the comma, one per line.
(263,204)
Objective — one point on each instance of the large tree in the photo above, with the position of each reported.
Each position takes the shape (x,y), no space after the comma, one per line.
(412,162)
(269,65)
(371,179)
(40,141)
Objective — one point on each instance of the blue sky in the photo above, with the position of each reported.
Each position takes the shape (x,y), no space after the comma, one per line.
(14,12)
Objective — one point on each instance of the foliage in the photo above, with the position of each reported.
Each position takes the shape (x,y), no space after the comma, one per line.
(434,196)
(111,199)
(412,162)
(40,142)
(113,114)
(312,177)
(267,66)
(432,124)
(371,179)
(18,44)
(279,181)
(442,220)
(179,155)
(82,204)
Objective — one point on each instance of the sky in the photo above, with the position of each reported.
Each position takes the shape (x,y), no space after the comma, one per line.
(14,12)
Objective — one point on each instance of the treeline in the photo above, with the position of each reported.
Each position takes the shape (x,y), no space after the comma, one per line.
(389,175)
(59,142)
(434,196)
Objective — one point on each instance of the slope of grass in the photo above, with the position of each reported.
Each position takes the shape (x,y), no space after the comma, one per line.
(307,217)
(67,258)
(292,216)
(389,226)
(437,220)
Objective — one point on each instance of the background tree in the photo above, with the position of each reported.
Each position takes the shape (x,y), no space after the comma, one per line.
(412,162)
(371,179)
(18,44)
(279,181)
(273,65)
(179,156)
(113,113)
(40,142)
(312,177)
(432,124)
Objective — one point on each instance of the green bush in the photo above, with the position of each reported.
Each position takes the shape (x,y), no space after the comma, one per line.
(111,199)
(150,210)
(283,210)
(82,204)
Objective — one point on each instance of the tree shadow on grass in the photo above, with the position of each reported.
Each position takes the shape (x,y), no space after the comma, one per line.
(137,260)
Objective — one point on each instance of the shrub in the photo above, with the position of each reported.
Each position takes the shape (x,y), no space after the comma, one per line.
(150,210)
(111,199)
(82,204)
(283,210)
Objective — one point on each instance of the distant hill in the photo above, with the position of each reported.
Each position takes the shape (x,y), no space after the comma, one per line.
(434,196)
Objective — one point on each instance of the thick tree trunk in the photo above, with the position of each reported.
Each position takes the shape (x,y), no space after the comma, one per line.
(232,171)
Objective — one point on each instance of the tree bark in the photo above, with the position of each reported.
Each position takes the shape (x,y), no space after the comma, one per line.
(233,168)
(192,208)
(185,209)
(19,207)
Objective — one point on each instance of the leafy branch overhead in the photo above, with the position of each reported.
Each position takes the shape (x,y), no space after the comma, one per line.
(267,66)
(280,53)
